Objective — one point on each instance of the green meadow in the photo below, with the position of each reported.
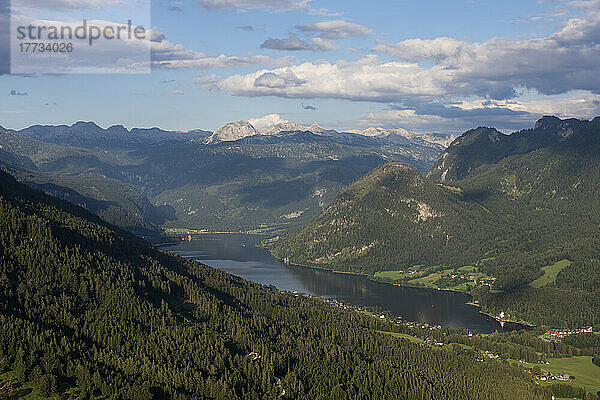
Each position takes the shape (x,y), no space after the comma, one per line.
(435,277)
(550,273)
(411,338)
(587,375)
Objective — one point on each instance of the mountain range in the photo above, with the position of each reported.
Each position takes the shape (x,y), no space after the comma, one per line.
(88,134)
(515,207)
(235,179)
(238,130)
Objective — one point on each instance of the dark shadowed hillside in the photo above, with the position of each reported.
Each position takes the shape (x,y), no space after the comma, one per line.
(90,311)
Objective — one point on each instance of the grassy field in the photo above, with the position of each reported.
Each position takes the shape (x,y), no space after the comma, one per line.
(550,273)
(414,271)
(431,277)
(391,275)
(403,336)
(587,375)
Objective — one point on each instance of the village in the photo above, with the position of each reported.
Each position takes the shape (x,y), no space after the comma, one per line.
(542,370)
(547,376)
(566,332)
(462,279)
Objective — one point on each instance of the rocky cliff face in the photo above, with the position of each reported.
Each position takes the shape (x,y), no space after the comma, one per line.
(232,131)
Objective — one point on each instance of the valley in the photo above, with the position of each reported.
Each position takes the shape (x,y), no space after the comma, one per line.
(433,264)
(299,200)
(238,255)
(120,318)
(489,201)
(149,179)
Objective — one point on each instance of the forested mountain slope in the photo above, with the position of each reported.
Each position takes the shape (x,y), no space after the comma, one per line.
(391,218)
(90,311)
(511,218)
(482,147)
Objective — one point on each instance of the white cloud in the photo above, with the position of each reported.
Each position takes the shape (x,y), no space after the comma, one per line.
(319,36)
(417,50)
(580,31)
(103,24)
(281,80)
(496,69)
(279,5)
(323,44)
(207,82)
(120,55)
(506,115)
(127,55)
(566,60)
(267,122)
(365,79)
(579,106)
(294,43)
(337,29)
(588,4)
(167,55)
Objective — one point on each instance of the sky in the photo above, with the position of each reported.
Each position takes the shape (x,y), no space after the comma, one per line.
(427,66)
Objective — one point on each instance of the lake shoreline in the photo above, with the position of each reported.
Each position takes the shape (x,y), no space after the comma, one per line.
(525,324)
(246,256)
(528,324)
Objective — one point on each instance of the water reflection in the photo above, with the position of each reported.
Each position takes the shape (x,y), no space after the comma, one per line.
(237,255)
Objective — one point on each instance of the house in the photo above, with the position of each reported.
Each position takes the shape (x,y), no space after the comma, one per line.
(566,332)
(563,376)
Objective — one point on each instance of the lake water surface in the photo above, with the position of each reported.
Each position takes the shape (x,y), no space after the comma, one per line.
(238,255)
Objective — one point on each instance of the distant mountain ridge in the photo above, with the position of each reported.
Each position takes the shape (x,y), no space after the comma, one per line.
(400,135)
(86,134)
(236,178)
(481,147)
(234,131)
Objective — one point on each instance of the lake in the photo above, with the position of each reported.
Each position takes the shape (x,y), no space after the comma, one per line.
(238,255)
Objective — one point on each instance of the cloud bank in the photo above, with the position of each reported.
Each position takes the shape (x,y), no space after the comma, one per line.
(434,77)
(320,36)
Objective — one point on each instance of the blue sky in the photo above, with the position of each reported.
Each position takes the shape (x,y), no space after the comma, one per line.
(426,66)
